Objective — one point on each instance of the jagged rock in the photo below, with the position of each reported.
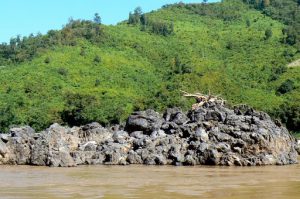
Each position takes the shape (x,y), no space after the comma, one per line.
(88,157)
(4,137)
(120,137)
(210,134)
(298,147)
(94,132)
(61,158)
(18,144)
(3,151)
(137,134)
(202,135)
(53,148)
(23,132)
(158,134)
(134,158)
(89,146)
(175,115)
(40,152)
(146,121)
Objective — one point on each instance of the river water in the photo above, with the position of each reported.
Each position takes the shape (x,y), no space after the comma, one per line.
(116,182)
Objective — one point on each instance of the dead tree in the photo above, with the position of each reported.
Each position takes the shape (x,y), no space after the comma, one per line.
(202,99)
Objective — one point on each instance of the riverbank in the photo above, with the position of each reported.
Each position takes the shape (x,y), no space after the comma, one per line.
(210,134)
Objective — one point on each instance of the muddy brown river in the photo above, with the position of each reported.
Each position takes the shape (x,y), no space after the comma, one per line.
(269,182)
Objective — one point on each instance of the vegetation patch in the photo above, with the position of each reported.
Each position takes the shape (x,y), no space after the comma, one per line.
(92,72)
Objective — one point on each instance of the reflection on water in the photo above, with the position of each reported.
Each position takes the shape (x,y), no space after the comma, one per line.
(150,182)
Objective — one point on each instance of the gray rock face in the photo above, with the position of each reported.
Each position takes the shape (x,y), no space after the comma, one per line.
(3,151)
(298,147)
(146,121)
(209,135)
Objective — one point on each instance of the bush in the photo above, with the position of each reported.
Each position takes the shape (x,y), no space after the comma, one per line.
(229,45)
(97,59)
(78,108)
(286,87)
(268,34)
(7,118)
(288,113)
(248,23)
(47,60)
(276,72)
(62,71)
(82,52)
(97,83)
(162,28)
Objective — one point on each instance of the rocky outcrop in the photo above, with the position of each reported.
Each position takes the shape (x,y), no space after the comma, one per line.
(298,147)
(209,135)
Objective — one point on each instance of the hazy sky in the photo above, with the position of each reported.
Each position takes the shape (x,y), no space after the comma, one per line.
(22,17)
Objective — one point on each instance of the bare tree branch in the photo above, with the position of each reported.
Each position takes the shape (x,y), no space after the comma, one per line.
(202,99)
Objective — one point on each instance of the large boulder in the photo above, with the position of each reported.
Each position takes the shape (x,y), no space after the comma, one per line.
(53,147)
(94,132)
(3,152)
(175,115)
(146,121)
(18,145)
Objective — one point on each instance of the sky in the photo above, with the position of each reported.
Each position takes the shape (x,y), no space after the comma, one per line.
(22,17)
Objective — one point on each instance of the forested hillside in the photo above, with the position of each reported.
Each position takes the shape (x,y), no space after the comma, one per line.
(92,72)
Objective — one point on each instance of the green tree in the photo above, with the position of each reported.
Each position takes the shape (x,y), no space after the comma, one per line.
(7,118)
(82,52)
(289,115)
(135,17)
(97,59)
(97,18)
(97,82)
(257,4)
(47,60)
(144,20)
(265,3)
(63,71)
(248,23)
(79,108)
(131,18)
(268,33)
(162,28)
(291,36)
(138,12)
(286,87)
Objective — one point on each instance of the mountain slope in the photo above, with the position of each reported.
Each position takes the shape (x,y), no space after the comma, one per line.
(90,72)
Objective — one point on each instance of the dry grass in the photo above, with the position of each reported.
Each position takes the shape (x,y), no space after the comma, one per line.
(294,64)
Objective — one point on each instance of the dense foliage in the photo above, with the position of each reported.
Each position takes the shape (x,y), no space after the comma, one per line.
(25,49)
(91,72)
(288,12)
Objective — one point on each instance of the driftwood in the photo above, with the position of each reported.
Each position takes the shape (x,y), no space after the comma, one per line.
(202,99)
